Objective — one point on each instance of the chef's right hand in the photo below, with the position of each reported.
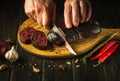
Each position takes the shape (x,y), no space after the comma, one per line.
(76,12)
(43,11)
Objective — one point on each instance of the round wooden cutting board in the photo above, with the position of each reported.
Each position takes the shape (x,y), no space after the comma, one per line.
(80,47)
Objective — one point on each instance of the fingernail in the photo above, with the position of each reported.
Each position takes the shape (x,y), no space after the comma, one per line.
(68,26)
(76,24)
(82,20)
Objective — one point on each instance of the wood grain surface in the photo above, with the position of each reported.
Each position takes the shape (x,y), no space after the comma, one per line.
(12,17)
(80,47)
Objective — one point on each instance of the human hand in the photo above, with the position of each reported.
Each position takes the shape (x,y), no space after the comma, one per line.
(43,11)
(76,11)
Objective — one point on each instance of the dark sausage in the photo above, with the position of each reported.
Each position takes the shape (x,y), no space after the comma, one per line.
(39,40)
(25,35)
(73,34)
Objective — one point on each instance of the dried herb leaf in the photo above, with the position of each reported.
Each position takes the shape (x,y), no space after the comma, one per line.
(76,61)
(62,67)
(69,63)
(77,66)
(37,70)
(10,42)
(3,67)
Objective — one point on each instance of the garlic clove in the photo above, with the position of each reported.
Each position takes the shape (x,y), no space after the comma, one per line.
(12,54)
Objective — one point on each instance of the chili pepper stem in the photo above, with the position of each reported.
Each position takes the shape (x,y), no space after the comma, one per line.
(84,60)
(98,63)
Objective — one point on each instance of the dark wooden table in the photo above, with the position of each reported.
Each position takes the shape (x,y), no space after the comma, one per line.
(106,12)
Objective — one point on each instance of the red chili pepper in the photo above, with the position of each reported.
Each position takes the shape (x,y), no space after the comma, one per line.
(107,54)
(104,49)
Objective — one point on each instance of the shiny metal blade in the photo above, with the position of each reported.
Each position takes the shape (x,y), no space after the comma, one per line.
(70,48)
(55,29)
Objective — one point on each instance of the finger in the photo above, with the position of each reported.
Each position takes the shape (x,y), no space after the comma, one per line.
(45,18)
(82,11)
(75,13)
(33,15)
(89,11)
(39,17)
(68,15)
(29,9)
(38,12)
(53,11)
(28,14)
(39,20)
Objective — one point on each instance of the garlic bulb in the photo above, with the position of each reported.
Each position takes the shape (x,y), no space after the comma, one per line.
(12,54)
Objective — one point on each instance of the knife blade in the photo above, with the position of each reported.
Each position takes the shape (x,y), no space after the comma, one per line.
(55,29)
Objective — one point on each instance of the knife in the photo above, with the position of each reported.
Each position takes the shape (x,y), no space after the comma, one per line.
(57,30)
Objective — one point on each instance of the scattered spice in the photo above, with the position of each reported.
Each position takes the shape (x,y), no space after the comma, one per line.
(35,64)
(10,42)
(3,67)
(49,66)
(62,67)
(76,61)
(30,74)
(35,69)
(77,66)
(23,66)
(68,62)
(52,65)
(84,58)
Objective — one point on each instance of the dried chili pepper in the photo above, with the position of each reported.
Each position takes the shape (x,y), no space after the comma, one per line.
(107,54)
(103,50)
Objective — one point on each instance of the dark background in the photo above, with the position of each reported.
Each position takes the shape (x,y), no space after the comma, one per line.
(106,12)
